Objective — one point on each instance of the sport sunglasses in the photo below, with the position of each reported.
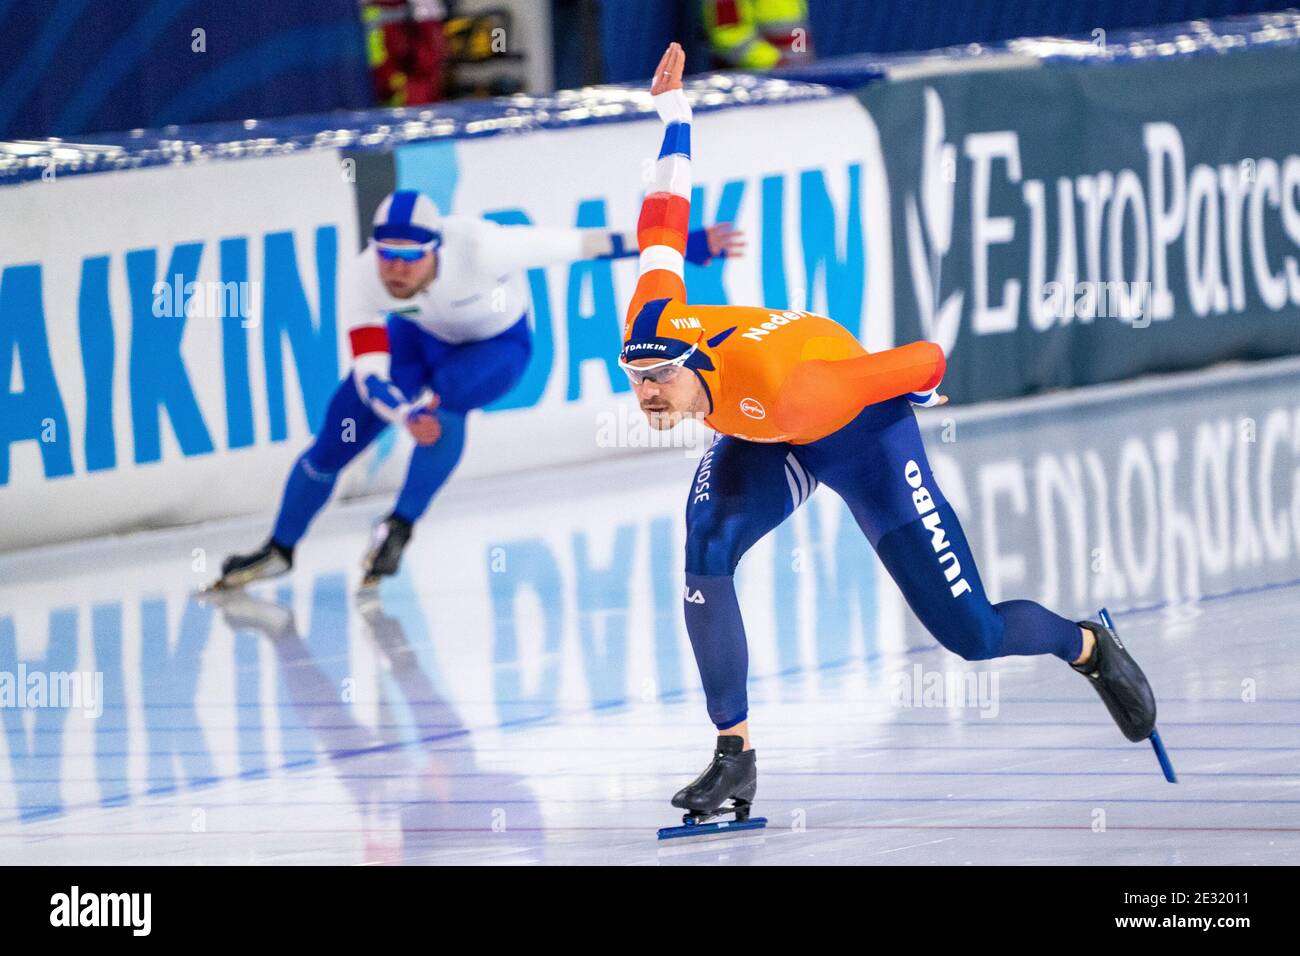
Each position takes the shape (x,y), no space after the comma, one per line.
(661,373)
(405,253)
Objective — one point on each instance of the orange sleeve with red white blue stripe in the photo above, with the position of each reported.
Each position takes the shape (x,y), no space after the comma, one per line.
(666,210)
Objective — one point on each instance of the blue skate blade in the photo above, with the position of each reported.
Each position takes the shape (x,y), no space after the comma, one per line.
(1158,746)
(722,826)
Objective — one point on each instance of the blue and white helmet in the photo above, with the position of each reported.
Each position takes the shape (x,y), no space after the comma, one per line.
(408,214)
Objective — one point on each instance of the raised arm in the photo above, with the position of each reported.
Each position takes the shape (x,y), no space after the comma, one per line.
(501,249)
(666,211)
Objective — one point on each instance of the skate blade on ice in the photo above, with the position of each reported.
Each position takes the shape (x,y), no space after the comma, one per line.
(699,823)
(719,826)
(232,582)
(1158,745)
(221,586)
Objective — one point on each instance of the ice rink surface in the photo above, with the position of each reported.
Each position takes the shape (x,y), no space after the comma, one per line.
(524,692)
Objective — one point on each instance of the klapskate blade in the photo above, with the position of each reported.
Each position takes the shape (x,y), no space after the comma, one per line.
(721,826)
(1166,767)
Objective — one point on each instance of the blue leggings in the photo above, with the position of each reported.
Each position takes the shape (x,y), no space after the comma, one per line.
(877,464)
(464,377)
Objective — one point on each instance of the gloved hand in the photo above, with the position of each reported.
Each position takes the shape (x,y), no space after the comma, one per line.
(386,399)
(716,242)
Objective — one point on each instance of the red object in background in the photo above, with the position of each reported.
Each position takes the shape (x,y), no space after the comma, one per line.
(725,13)
(784,40)
(407,50)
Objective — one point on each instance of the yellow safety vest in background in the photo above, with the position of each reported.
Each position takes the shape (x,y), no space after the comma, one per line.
(756,34)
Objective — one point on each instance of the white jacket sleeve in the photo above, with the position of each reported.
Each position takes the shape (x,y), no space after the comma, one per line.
(502,249)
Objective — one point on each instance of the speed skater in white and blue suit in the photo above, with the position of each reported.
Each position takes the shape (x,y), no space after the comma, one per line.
(438,313)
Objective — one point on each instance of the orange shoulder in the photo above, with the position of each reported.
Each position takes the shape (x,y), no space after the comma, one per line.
(758,356)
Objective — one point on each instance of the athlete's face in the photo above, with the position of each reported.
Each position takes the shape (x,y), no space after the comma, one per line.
(667,403)
(403,278)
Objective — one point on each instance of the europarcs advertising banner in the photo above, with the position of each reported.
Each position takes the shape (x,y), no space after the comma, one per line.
(1070,224)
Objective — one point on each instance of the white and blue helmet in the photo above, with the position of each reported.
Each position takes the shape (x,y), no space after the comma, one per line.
(408,214)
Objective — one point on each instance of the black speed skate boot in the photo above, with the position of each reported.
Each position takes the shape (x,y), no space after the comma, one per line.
(385,554)
(1120,683)
(269,561)
(1123,688)
(732,775)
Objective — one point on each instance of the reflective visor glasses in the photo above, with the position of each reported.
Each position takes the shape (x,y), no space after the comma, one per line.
(404,253)
(661,373)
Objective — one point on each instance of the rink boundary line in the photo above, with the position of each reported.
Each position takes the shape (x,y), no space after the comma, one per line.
(864,721)
(296,765)
(804,799)
(655,774)
(689,725)
(487,702)
(663,725)
(38,810)
(1212,596)
(649,828)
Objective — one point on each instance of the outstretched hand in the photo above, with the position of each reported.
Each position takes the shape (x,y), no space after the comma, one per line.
(668,75)
(725,240)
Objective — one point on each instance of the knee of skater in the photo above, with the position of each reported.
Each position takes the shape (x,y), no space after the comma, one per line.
(977,642)
(710,551)
(317,469)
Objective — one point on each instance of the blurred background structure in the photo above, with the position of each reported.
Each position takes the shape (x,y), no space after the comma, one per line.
(75,67)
